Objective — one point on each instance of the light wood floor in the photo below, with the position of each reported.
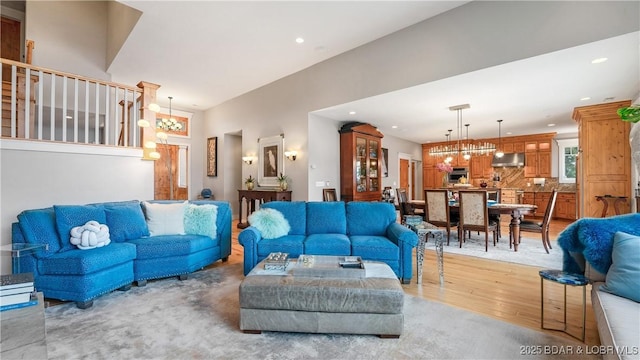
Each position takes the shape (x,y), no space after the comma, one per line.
(504,291)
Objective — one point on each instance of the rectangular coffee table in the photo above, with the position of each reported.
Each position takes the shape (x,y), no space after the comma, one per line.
(282,301)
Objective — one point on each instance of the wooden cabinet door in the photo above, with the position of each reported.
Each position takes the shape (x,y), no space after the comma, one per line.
(507,148)
(477,167)
(542,201)
(518,147)
(528,198)
(544,164)
(432,178)
(531,164)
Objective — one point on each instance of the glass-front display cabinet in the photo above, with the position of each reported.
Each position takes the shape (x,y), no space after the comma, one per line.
(360,167)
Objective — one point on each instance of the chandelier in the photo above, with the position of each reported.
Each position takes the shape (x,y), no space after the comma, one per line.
(466,149)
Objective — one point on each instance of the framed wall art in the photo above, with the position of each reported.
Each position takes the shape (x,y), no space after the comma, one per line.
(212,156)
(182,118)
(270,160)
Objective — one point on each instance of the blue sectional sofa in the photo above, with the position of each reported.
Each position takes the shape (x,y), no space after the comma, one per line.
(68,273)
(366,229)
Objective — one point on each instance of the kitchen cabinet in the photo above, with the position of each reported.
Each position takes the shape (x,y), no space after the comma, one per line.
(604,157)
(537,157)
(481,167)
(508,196)
(360,167)
(431,177)
(539,198)
(566,206)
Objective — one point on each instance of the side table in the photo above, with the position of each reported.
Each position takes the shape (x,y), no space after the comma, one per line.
(564,278)
(19,249)
(23,332)
(424,229)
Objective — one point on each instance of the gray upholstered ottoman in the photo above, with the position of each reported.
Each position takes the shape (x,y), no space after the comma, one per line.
(284,302)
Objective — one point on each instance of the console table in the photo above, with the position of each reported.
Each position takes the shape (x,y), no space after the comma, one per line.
(258,195)
(617,200)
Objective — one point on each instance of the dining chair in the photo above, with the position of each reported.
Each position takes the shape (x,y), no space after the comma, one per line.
(541,227)
(404,205)
(474,215)
(329,194)
(495,195)
(436,209)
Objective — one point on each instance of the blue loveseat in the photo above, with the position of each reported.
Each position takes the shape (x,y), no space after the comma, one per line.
(66,272)
(366,229)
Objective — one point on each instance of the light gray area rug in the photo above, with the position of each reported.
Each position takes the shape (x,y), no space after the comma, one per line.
(198,319)
(530,250)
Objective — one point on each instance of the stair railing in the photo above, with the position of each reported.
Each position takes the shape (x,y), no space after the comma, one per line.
(44,104)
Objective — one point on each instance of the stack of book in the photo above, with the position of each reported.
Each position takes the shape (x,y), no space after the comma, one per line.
(17,291)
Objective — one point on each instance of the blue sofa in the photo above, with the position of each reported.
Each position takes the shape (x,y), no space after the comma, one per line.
(68,273)
(366,229)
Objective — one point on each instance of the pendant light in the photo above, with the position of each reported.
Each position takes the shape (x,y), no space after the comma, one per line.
(499,152)
(467,155)
(449,158)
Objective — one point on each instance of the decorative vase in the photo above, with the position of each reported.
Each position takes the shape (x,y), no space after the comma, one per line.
(634,142)
(283,186)
(445,179)
(249,186)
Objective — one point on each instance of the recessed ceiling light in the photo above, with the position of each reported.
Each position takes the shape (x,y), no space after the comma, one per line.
(299,40)
(352,112)
(585,98)
(551,125)
(599,60)
(394,127)
(69,117)
(509,133)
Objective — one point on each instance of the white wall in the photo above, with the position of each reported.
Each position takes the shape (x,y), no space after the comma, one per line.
(396,147)
(323,156)
(467,38)
(69,36)
(36,175)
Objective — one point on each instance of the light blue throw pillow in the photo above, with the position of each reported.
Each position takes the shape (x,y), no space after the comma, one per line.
(201,220)
(270,223)
(623,277)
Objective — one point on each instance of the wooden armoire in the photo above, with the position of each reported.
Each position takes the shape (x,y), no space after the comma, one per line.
(360,162)
(604,158)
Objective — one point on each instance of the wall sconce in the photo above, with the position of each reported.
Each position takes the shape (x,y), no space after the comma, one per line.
(248,159)
(291,155)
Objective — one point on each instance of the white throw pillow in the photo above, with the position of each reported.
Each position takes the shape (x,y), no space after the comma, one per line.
(165,219)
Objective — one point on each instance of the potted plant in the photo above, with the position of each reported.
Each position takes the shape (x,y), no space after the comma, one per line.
(283,180)
(632,114)
(250,182)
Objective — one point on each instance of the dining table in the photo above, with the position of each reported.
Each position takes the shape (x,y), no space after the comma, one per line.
(517,211)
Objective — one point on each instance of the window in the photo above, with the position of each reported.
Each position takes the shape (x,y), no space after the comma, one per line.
(567,159)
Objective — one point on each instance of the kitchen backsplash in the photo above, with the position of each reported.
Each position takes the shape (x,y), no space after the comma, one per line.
(514,178)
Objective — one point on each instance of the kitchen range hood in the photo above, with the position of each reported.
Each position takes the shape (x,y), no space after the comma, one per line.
(508,160)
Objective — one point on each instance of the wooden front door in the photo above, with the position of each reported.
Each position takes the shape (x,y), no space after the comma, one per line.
(161,174)
(404,175)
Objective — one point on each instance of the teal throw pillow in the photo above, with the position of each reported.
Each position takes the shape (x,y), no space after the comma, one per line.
(270,222)
(201,220)
(623,277)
